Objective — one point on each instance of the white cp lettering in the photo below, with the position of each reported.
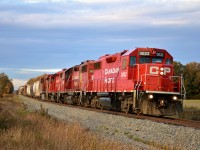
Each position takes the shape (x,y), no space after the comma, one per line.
(163,71)
(166,70)
(154,70)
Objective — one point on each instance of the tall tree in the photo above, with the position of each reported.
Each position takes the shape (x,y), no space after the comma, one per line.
(6,85)
(178,68)
(192,80)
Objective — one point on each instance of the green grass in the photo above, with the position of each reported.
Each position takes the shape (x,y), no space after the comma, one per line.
(191,104)
(191,110)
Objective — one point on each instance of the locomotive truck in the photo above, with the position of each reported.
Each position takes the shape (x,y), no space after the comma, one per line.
(140,80)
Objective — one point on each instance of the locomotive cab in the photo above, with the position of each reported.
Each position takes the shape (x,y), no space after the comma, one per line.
(156,90)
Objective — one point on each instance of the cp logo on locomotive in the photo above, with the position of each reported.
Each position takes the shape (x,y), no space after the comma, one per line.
(155,70)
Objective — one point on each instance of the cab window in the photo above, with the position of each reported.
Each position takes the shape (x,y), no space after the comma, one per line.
(124,63)
(84,68)
(144,60)
(132,60)
(157,60)
(168,61)
(97,65)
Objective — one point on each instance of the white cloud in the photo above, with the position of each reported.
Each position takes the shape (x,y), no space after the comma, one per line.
(42,1)
(103,12)
(41,70)
(18,82)
(169,22)
(102,1)
(81,1)
(32,1)
(36,72)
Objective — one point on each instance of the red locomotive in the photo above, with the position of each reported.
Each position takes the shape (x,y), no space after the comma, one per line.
(140,80)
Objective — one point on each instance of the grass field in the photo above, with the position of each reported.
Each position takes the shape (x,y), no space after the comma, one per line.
(191,104)
(191,110)
(20,129)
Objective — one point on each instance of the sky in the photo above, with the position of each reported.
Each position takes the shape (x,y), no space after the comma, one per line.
(44,36)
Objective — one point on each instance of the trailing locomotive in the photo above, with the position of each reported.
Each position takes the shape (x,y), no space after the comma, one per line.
(140,80)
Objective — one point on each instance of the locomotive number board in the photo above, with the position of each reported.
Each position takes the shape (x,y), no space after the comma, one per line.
(160,54)
(144,53)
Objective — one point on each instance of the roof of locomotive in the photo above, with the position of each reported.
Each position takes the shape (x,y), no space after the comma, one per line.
(109,55)
(145,49)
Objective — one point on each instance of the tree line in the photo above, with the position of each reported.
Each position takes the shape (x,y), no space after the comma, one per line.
(191,75)
(6,85)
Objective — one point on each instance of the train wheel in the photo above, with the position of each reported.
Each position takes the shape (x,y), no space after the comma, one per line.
(93,103)
(101,107)
(84,104)
(138,111)
(126,110)
(125,106)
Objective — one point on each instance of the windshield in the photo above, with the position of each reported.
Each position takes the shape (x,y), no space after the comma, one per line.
(157,60)
(144,60)
(169,61)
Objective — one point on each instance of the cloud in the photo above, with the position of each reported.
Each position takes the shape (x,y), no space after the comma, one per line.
(29,71)
(5,69)
(32,1)
(102,1)
(18,82)
(103,12)
(44,1)
(67,1)
(41,70)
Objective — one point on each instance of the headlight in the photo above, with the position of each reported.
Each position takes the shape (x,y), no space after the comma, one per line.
(150,96)
(174,98)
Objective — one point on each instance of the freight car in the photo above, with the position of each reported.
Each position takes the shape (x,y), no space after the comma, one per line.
(21,90)
(29,90)
(140,80)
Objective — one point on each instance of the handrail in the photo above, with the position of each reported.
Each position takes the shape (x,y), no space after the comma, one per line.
(181,82)
(183,86)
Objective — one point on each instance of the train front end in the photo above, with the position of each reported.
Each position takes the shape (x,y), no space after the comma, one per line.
(159,91)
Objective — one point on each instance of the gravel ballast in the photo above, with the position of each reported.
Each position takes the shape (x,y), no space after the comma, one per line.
(129,131)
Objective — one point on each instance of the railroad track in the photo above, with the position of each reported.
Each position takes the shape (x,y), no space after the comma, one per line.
(165,120)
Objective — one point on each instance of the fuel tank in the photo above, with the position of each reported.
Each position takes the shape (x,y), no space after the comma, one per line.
(105,102)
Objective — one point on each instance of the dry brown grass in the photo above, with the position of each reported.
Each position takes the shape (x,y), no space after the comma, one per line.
(20,129)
